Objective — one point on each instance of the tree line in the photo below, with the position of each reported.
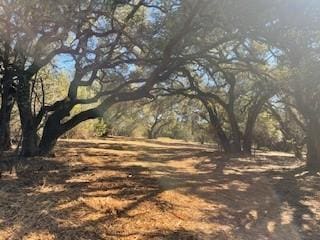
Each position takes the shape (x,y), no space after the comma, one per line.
(236,61)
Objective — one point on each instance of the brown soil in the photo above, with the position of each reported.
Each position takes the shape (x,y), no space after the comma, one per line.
(124,188)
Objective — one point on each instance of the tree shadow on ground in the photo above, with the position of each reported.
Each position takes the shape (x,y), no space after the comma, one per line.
(40,201)
(200,194)
(299,191)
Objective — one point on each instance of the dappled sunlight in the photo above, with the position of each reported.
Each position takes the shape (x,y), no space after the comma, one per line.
(160,120)
(139,191)
(287,214)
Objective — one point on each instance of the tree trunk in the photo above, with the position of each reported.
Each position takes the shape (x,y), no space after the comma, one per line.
(157,131)
(216,125)
(312,127)
(247,143)
(30,138)
(150,134)
(53,130)
(313,145)
(298,150)
(250,124)
(248,134)
(229,108)
(5,136)
(29,145)
(7,103)
(224,141)
(235,132)
(151,131)
(48,141)
(5,116)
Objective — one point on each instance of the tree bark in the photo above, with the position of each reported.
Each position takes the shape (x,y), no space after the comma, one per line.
(250,125)
(235,132)
(7,103)
(5,140)
(311,115)
(48,140)
(53,128)
(29,145)
(150,134)
(5,116)
(313,145)
(216,125)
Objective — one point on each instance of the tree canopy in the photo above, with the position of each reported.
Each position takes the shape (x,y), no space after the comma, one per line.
(218,70)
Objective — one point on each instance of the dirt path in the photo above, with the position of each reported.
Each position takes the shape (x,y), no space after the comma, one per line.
(137,189)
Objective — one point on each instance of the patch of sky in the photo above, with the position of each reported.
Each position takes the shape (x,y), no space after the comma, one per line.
(92,43)
(101,24)
(207,78)
(64,63)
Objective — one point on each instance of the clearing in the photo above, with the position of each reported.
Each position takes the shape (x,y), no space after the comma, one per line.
(125,188)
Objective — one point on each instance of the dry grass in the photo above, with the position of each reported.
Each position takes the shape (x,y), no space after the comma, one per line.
(125,188)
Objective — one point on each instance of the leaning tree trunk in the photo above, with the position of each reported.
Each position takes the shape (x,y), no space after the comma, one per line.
(29,145)
(48,140)
(216,125)
(53,128)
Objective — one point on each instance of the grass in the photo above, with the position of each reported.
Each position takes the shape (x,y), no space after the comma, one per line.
(123,188)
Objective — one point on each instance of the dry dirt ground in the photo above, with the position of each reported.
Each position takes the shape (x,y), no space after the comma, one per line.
(123,188)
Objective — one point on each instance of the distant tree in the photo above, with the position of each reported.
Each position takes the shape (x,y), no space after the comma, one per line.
(233,95)
(158,115)
(291,126)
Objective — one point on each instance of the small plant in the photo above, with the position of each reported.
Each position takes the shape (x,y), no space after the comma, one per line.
(100,128)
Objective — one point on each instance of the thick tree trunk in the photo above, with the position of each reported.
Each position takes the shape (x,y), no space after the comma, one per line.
(248,134)
(5,136)
(7,103)
(216,125)
(247,143)
(224,141)
(29,145)
(313,145)
(48,142)
(235,133)
(5,115)
(229,108)
(250,124)
(311,128)
(150,134)
(30,138)
(53,130)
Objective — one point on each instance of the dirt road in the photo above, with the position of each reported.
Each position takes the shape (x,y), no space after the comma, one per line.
(124,188)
